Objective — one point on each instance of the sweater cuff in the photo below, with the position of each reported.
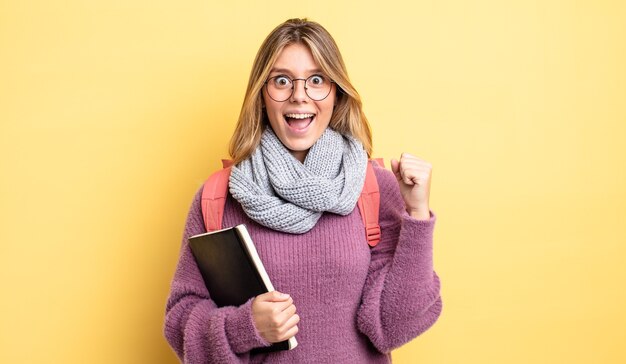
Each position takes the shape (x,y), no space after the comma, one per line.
(416,240)
(423,223)
(240,330)
(422,228)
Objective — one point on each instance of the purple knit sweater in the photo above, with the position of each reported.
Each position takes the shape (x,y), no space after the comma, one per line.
(355,303)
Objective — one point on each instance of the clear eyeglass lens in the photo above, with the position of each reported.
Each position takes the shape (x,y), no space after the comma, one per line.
(280,88)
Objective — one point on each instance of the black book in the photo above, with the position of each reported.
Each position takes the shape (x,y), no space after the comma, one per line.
(232,271)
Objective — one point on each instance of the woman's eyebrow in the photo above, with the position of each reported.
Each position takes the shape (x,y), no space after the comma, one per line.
(284,70)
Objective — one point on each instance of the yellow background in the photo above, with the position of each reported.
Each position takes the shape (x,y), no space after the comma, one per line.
(112,113)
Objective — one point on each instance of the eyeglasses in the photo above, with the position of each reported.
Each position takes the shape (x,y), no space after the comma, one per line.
(280,88)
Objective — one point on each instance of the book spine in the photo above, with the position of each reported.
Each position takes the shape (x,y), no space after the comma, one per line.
(249,247)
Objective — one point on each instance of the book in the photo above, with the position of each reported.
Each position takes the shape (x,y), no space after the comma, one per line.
(232,271)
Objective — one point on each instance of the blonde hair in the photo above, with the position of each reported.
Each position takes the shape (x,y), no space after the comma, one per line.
(347,118)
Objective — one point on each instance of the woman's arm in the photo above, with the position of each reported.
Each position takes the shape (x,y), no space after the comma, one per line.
(197,330)
(401,295)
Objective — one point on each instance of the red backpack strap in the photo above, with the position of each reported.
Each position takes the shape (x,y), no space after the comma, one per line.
(214,195)
(215,191)
(369,204)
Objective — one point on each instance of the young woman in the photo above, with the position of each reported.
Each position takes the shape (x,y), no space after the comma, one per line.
(301,150)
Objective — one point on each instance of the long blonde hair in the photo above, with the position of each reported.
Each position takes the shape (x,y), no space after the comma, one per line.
(347,118)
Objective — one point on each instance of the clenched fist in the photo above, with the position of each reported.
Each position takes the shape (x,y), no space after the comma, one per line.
(414,175)
(274,316)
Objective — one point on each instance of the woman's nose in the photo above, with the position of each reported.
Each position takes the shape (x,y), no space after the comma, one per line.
(299,92)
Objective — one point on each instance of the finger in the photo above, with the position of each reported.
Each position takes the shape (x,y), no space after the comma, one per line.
(289,311)
(408,178)
(282,317)
(418,166)
(405,172)
(422,165)
(279,307)
(414,176)
(415,162)
(419,170)
(289,333)
(285,321)
(279,316)
(395,167)
(405,163)
(273,296)
(411,158)
(291,323)
(408,158)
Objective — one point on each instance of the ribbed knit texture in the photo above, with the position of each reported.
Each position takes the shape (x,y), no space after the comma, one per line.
(278,191)
(356,304)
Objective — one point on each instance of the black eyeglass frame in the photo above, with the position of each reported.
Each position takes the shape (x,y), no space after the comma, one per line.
(293,87)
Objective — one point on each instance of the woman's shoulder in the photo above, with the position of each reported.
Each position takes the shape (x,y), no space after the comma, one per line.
(391,202)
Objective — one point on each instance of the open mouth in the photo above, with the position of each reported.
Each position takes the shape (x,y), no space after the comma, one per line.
(299,122)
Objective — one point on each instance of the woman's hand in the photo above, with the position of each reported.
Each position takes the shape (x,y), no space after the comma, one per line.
(274,316)
(414,176)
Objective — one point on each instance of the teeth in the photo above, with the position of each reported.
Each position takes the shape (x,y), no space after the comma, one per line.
(299,116)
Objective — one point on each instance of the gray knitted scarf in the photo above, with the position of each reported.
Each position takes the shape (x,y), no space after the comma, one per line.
(279,192)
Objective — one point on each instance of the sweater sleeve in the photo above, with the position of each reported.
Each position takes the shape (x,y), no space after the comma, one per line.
(401,296)
(197,330)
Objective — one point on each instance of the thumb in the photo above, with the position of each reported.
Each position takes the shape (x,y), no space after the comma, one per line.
(274,296)
(395,168)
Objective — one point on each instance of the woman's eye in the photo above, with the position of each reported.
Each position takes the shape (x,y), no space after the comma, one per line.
(317,80)
(282,81)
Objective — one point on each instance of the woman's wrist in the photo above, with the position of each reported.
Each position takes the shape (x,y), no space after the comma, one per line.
(420,213)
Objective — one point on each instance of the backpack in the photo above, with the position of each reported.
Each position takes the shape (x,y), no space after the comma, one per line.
(215,191)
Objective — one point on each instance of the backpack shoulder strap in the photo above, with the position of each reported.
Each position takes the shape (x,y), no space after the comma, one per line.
(369,204)
(214,195)
(215,191)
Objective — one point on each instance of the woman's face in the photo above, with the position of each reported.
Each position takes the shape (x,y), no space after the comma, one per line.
(299,121)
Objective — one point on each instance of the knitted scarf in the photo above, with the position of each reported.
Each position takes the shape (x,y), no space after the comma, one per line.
(279,192)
